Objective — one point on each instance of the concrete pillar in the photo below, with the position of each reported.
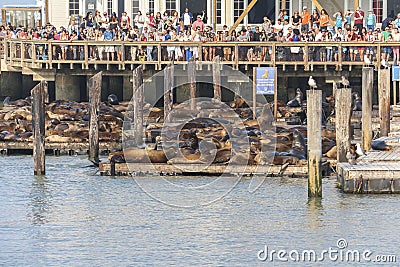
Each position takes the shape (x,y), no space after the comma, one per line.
(127,88)
(10,85)
(68,87)
(115,86)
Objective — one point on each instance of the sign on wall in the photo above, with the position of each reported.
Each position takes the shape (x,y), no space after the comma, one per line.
(396,73)
(265,80)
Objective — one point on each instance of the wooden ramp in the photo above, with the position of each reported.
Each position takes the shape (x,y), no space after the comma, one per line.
(121,169)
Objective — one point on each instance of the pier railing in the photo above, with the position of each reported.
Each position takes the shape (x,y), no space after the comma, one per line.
(92,54)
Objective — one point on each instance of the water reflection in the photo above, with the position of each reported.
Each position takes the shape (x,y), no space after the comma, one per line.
(40,203)
(315,213)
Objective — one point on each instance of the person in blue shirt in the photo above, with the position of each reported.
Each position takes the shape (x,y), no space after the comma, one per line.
(371,20)
(109,49)
(338,20)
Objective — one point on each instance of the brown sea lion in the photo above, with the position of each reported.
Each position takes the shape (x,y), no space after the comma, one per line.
(280,160)
(299,148)
(137,155)
(332,153)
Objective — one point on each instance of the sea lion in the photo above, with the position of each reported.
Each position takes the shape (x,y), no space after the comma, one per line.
(280,147)
(299,147)
(297,100)
(117,157)
(327,144)
(332,153)
(281,160)
(381,145)
(112,99)
(137,155)
(222,156)
(357,102)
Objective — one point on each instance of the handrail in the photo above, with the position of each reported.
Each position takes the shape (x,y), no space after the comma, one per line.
(35,53)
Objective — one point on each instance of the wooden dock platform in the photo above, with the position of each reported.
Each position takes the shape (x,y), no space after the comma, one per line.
(21,147)
(121,169)
(378,172)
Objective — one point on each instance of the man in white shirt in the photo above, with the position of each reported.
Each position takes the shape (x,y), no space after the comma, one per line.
(105,20)
(187,18)
(139,21)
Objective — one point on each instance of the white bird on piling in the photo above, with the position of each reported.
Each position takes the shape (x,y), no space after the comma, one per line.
(359,151)
(312,83)
(367,60)
(345,82)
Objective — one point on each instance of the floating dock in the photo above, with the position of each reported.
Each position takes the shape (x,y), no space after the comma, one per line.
(378,172)
(121,169)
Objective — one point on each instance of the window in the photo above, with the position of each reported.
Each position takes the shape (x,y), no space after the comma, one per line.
(109,7)
(238,8)
(285,5)
(170,5)
(378,10)
(151,6)
(73,7)
(135,8)
(219,12)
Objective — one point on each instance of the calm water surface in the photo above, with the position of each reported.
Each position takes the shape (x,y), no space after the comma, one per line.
(74,217)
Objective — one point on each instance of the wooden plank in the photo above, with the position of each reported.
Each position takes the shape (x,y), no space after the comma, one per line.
(314,133)
(384,100)
(168,90)
(343,116)
(217,78)
(192,83)
(138,95)
(94,110)
(242,16)
(367,83)
(38,117)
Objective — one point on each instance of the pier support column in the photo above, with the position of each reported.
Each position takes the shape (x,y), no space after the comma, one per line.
(127,88)
(11,85)
(367,84)
(343,117)
(384,100)
(314,137)
(68,87)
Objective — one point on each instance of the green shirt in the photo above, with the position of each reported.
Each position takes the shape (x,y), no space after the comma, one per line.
(385,35)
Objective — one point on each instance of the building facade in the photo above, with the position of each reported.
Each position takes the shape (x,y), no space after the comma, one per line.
(227,11)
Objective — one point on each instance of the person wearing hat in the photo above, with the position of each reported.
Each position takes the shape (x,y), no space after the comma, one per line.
(305,20)
(198,23)
(371,20)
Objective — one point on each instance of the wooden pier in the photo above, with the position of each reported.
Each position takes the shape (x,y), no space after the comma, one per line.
(121,169)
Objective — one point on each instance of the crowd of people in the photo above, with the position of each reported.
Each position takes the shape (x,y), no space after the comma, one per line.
(304,26)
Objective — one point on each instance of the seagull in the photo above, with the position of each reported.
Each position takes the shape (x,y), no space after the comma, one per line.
(6,101)
(345,82)
(359,151)
(312,83)
(384,63)
(367,61)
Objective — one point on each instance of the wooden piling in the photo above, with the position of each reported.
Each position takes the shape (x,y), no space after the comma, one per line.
(168,90)
(343,117)
(367,84)
(192,83)
(384,100)
(138,95)
(94,110)
(38,121)
(314,137)
(217,78)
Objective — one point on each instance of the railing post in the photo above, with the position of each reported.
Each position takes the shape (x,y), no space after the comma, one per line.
(122,59)
(22,54)
(236,56)
(273,56)
(306,64)
(378,55)
(86,55)
(50,54)
(367,85)
(159,55)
